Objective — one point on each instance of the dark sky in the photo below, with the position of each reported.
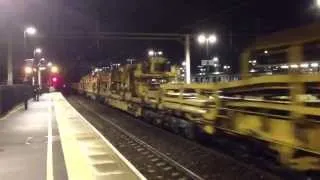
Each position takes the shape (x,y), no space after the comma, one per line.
(236,22)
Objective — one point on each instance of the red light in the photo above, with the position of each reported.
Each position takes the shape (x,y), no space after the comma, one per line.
(54,79)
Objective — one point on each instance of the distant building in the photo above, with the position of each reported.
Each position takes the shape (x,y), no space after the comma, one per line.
(213,71)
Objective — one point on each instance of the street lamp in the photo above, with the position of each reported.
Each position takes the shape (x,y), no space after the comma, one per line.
(28,70)
(37,51)
(207,39)
(54,69)
(318,3)
(151,53)
(202,39)
(28,31)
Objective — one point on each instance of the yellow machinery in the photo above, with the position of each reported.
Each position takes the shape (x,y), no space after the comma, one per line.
(281,110)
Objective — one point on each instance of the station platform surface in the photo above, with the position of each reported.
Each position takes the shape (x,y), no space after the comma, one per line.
(51,140)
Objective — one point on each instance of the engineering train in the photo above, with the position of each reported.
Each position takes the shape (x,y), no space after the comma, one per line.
(280,111)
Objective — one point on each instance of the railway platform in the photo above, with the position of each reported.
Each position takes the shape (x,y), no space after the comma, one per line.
(52,141)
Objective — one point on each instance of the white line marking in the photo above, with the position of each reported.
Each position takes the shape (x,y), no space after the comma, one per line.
(49,148)
(28,140)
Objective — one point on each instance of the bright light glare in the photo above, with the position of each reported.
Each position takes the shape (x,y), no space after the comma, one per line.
(54,79)
(318,3)
(54,69)
(28,70)
(304,65)
(212,39)
(201,38)
(49,64)
(42,68)
(38,50)
(284,67)
(215,59)
(294,66)
(151,53)
(183,63)
(314,65)
(160,53)
(266,52)
(30,30)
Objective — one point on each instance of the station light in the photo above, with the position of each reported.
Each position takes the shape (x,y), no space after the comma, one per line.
(294,66)
(151,53)
(314,65)
(49,64)
(202,39)
(266,52)
(38,50)
(42,68)
(30,30)
(28,70)
(284,67)
(54,69)
(212,39)
(215,59)
(318,3)
(304,65)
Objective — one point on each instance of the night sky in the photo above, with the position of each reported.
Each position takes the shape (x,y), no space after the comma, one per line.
(235,22)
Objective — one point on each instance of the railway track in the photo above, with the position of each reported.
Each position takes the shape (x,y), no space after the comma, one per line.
(157,165)
(159,154)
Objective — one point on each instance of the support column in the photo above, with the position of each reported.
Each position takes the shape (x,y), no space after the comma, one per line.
(188,59)
(9,60)
(245,57)
(296,56)
(39,78)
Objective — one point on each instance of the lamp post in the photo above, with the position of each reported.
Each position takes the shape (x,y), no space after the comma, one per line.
(35,52)
(153,53)
(207,40)
(29,31)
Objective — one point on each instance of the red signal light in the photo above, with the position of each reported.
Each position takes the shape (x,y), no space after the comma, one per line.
(54,79)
